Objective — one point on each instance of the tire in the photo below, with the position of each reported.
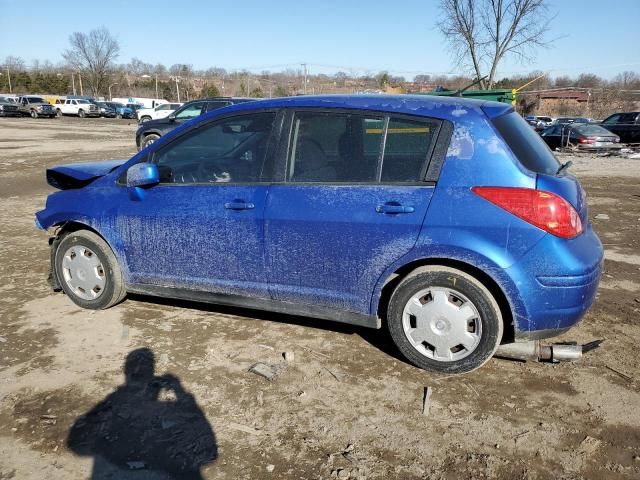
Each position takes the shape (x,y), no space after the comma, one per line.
(81,113)
(119,116)
(146,118)
(33,114)
(450,307)
(148,140)
(59,113)
(80,273)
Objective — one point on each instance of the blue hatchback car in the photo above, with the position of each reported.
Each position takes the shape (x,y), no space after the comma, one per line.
(447,220)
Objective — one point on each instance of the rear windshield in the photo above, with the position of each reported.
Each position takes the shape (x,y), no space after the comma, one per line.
(526,144)
(592,130)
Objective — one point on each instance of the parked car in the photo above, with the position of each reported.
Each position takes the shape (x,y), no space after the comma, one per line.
(76,106)
(122,111)
(585,136)
(8,108)
(536,124)
(105,110)
(447,219)
(144,102)
(35,107)
(625,125)
(161,111)
(565,120)
(150,131)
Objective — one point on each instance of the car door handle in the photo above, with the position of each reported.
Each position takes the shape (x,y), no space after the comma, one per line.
(239,205)
(394,208)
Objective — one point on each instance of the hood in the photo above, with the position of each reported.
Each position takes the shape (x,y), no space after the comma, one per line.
(78,175)
(159,121)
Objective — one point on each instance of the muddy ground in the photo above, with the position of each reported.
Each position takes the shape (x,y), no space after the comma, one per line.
(346,406)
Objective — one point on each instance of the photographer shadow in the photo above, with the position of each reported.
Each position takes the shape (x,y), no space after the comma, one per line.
(148,428)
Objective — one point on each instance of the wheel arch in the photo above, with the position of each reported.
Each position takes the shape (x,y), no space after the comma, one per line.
(380,301)
(65,227)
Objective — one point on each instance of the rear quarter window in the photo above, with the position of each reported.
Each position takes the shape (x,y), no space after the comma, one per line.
(532,152)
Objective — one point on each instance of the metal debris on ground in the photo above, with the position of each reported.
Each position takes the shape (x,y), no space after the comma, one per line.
(288,356)
(266,370)
(426,401)
(245,429)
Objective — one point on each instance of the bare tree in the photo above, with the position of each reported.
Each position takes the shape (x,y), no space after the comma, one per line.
(93,54)
(482,33)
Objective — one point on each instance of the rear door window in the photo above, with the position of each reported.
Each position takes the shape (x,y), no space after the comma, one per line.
(406,150)
(335,147)
(532,152)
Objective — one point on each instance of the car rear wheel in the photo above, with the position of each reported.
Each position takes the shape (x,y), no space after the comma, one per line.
(146,118)
(88,271)
(149,139)
(58,112)
(33,114)
(444,320)
(81,113)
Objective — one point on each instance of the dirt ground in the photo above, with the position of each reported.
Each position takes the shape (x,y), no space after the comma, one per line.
(344,406)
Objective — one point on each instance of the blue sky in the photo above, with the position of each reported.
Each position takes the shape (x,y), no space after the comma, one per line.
(401,37)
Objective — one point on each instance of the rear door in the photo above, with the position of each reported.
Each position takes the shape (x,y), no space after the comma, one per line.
(352,202)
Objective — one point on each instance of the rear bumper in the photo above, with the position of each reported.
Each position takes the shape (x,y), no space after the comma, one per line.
(556,284)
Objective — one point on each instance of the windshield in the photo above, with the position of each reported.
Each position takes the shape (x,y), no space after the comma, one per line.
(532,152)
(83,101)
(36,100)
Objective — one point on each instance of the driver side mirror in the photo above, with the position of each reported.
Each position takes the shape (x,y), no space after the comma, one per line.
(142,175)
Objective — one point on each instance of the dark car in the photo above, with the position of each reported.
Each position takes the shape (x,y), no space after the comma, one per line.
(106,110)
(455,231)
(586,136)
(152,130)
(8,107)
(625,125)
(122,111)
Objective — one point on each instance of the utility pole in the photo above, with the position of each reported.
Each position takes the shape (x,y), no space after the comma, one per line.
(177,89)
(9,78)
(304,86)
(80,79)
(157,85)
(73,83)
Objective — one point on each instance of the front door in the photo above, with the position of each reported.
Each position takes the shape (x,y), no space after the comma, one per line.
(352,203)
(202,227)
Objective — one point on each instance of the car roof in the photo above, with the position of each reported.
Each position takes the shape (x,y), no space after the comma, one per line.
(449,108)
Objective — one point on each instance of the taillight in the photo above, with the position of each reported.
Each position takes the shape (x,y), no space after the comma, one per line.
(545,210)
(587,140)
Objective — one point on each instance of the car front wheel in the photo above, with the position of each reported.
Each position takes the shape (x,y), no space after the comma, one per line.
(33,114)
(88,271)
(146,118)
(81,113)
(444,320)
(148,140)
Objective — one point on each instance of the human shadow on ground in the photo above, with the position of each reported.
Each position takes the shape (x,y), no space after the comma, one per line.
(148,428)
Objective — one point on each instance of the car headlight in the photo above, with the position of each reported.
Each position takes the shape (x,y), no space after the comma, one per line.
(1,108)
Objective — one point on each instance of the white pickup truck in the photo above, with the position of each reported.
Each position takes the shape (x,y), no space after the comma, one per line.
(160,111)
(80,107)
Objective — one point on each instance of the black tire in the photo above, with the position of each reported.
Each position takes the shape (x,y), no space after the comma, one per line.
(33,114)
(146,118)
(81,113)
(468,286)
(58,112)
(114,291)
(148,140)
